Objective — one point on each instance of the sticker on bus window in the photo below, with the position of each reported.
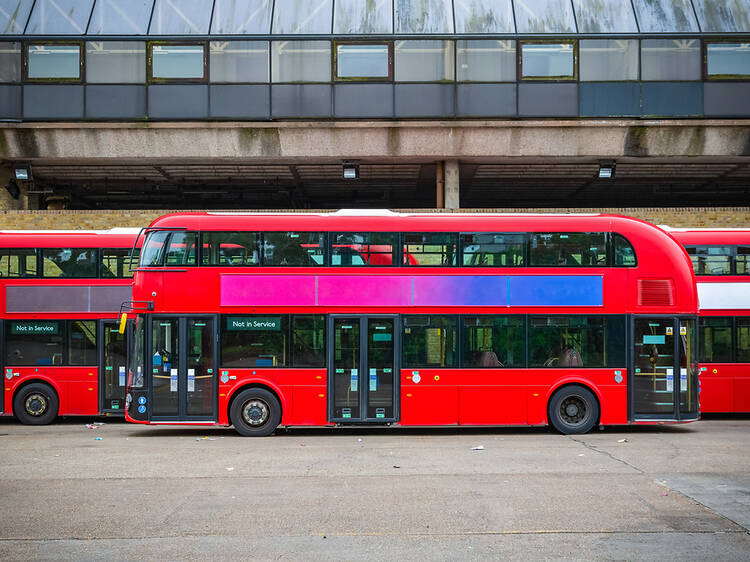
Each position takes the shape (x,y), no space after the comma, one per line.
(380,413)
(683,330)
(669,330)
(354,380)
(373,380)
(121,375)
(670,380)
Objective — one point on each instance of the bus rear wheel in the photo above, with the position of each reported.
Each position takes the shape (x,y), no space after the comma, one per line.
(36,404)
(255,412)
(573,409)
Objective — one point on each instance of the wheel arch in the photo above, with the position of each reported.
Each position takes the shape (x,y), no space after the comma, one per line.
(37,379)
(236,392)
(568,382)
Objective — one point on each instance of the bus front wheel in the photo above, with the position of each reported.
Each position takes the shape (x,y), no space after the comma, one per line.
(255,412)
(573,409)
(36,404)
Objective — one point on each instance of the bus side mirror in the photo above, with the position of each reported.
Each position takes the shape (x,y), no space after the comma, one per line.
(123,322)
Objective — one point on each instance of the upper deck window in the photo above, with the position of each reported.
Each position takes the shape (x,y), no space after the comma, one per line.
(493,250)
(624,253)
(585,249)
(711,260)
(18,262)
(153,248)
(432,248)
(182,248)
(230,248)
(293,248)
(363,248)
(116,263)
(70,262)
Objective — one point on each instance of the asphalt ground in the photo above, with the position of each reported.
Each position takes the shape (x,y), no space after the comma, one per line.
(125,492)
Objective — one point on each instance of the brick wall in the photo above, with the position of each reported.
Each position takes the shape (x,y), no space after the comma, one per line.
(717,217)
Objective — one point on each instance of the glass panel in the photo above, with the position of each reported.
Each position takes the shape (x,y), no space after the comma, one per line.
(493,250)
(59,17)
(308,341)
(742,260)
(120,17)
(200,367)
(293,248)
(539,60)
(435,249)
(13,16)
(688,367)
(670,59)
(239,61)
(567,341)
(494,341)
(346,368)
(241,17)
(605,16)
(654,366)
(358,248)
(180,17)
(729,60)
(743,340)
(380,368)
(362,61)
(715,339)
(34,342)
(424,16)
(230,248)
(137,359)
(114,365)
(116,262)
(18,263)
(182,248)
(711,260)
(153,248)
(165,362)
(423,61)
(608,59)
(69,262)
(54,61)
(177,61)
(255,341)
(665,16)
(10,62)
(116,62)
(355,17)
(484,16)
(82,342)
(486,61)
(301,61)
(302,17)
(429,341)
(723,15)
(624,252)
(587,249)
(544,16)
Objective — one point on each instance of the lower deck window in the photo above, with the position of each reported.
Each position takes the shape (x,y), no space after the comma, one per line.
(51,342)
(430,341)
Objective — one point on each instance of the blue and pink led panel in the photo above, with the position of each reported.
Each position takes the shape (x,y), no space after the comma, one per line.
(414,290)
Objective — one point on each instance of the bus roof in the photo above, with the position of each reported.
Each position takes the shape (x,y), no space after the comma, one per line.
(710,236)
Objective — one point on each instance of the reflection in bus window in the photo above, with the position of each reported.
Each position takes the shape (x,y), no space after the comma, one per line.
(711,260)
(363,248)
(493,250)
(230,248)
(293,248)
(493,341)
(587,249)
(18,263)
(430,248)
(429,341)
(69,262)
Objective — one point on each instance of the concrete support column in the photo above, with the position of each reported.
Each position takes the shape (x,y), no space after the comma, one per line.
(439,185)
(452,200)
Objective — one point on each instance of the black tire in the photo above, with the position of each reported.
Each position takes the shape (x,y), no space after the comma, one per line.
(573,409)
(36,404)
(255,412)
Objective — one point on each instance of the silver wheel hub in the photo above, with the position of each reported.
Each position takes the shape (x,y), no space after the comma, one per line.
(36,404)
(255,412)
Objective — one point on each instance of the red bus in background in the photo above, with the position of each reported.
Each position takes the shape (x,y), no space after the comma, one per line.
(61,351)
(721,259)
(372,317)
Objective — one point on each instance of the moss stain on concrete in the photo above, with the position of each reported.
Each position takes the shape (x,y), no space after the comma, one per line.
(263,142)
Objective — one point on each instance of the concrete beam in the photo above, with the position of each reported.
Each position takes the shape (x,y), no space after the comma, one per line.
(374,140)
(451,185)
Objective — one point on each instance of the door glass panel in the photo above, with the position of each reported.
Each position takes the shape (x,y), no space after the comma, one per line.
(114,366)
(688,367)
(200,367)
(654,376)
(380,368)
(164,355)
(346,357)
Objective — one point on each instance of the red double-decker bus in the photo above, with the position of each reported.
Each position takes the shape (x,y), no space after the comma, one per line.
(62,353)
(374,317)
(721,259)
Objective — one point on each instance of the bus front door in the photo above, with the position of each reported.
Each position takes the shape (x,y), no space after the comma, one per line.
(112,367)
(665,370)
(183,369)
(363,362)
